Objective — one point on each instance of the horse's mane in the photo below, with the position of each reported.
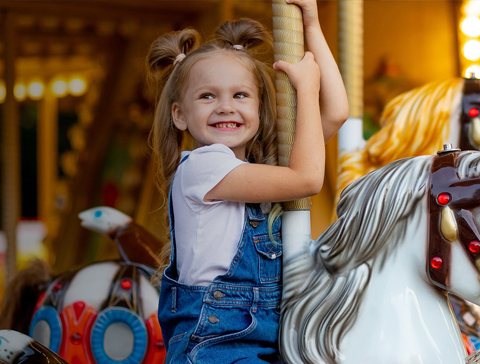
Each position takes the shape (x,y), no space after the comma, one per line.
(414,123)
(370,210)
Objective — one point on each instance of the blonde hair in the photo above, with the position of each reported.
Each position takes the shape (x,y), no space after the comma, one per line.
(413,123)
(169,80)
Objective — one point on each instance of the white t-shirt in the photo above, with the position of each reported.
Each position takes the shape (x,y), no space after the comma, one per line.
(206,233)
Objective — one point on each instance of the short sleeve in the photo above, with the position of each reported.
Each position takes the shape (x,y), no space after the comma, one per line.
(203,170)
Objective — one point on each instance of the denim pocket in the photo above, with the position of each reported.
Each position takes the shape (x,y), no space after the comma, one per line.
(269,261)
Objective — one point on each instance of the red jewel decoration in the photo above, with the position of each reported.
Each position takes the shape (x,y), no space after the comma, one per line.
(57,287)
(76,338)
(444,198)
(126,284)
(436,262)
(474,246)
(473,112)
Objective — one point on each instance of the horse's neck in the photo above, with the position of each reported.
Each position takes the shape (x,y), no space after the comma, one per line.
(402,318)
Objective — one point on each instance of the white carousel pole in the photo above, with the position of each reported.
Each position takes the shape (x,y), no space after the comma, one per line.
(350,136)
(296,231)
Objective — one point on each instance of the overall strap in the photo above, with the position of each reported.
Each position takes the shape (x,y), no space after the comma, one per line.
(171,219)
(254,212)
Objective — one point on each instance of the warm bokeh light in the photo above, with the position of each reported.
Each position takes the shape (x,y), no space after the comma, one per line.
(20,92)
(3,92)
(471,50)
(471,26)
(59,87)
(472,8)
(36,90)
(77,86)
(472,70)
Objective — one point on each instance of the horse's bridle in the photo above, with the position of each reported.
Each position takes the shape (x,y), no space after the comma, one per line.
(450,203)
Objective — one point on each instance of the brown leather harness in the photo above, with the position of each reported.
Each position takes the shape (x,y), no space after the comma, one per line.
(460,196)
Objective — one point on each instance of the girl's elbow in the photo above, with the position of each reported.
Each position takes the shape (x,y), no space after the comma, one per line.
(314,185)
(335,120)
(341,116)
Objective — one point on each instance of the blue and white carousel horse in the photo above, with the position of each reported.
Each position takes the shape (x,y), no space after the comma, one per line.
(17,348)
(102,313)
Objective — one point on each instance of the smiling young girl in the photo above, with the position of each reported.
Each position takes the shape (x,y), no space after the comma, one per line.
(220,294)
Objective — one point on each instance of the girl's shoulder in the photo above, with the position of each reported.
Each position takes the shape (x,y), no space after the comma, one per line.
(213,154)
(214,158)
(212,148)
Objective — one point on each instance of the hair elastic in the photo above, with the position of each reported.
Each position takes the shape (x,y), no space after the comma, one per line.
(179,58)
(238,46)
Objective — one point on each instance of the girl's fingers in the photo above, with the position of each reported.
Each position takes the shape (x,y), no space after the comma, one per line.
(281,66)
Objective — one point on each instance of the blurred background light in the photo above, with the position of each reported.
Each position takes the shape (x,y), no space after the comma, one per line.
(20,92)
(473,70)
(59,87)
(472,8)
(36,90)
(77,86)
(471,26)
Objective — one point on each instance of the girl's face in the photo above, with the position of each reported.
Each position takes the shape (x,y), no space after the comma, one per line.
(220,104)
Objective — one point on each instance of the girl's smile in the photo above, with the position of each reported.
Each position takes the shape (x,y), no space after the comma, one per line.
(226,125)
(220,104)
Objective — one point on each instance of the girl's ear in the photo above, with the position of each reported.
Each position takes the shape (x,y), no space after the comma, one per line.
(178,118)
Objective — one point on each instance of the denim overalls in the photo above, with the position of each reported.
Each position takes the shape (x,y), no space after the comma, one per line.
(235,319)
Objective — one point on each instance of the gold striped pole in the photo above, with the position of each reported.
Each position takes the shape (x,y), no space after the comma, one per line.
(350,14)
(351,52)
(350,136)
(288,46)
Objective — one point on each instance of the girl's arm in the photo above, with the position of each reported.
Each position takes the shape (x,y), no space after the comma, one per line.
(333,98)
(304,175)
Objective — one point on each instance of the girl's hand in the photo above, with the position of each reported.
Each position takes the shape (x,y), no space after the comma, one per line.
(305,75)
(309,10)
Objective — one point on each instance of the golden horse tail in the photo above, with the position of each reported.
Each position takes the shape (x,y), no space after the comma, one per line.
(414,123)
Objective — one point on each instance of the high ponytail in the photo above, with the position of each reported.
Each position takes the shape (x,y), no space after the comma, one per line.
(165,50)
(249,34)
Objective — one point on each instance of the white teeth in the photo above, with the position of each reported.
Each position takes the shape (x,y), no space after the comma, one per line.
(226,125)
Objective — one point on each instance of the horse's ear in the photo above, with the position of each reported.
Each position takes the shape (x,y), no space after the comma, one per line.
(448,225)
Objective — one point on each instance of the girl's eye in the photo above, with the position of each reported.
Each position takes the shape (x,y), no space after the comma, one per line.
(207,96)
(240,95)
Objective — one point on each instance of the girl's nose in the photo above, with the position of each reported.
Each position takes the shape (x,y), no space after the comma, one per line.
(225,106)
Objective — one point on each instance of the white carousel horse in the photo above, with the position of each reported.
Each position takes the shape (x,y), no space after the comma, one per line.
(374,287)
